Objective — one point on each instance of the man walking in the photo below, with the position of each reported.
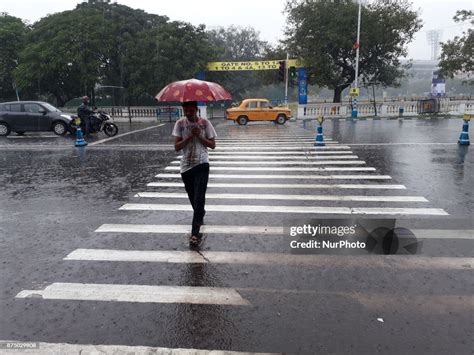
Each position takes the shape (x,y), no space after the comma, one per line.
(194,135)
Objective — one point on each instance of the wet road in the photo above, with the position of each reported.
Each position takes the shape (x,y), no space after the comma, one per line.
(74,233)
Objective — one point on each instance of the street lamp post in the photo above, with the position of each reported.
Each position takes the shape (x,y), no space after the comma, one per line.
(286,79)
(354,102)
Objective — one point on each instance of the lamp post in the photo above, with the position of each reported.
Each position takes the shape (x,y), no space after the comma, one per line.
(357,45)
(286,79)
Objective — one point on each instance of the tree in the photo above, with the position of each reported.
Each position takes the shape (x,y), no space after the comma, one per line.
(457,55)
(12,39)
(323,34)
(237,44)
(170,52)
(100,43)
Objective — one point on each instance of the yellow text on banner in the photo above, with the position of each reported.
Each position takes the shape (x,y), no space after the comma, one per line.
(258,65)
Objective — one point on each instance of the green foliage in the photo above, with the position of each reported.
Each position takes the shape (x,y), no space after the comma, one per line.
(237,44)
(69,54)
(322,33)
(457,55)
(12,40)
(170,52)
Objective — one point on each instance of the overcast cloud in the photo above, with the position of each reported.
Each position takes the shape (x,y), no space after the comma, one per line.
(264,15)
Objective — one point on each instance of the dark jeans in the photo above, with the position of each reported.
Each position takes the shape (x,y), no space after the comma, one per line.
(195,183)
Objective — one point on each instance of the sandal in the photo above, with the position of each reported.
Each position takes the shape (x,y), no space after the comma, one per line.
(195,240)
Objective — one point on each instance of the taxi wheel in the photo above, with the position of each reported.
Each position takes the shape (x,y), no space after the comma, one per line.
(242,120)
(281,119)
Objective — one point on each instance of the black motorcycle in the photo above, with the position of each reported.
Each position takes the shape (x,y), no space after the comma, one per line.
(99,122)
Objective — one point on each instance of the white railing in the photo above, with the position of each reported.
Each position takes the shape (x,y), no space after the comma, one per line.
(163,112)
(384,109)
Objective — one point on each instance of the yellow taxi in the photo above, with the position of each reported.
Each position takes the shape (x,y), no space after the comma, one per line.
(258,110)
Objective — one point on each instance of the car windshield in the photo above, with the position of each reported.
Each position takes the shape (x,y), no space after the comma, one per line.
(50,108)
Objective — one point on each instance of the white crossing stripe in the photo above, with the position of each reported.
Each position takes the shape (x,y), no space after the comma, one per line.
(260,157)
(137,293)
(247,137)
(89,349)
(275,140)
(467,234)
(289,177)
(289,209)
(305,162)
(287,197)
(255,258)
(176,228)
(258,141)
(272,148)
(271,168)
(288,152)
(444,234)
(286,186)
(275,145)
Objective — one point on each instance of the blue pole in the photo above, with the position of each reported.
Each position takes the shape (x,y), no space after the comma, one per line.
(302,86)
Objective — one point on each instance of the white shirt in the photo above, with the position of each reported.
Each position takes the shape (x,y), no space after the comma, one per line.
(194,153)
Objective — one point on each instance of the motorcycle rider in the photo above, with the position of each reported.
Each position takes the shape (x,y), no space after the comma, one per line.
(84,111)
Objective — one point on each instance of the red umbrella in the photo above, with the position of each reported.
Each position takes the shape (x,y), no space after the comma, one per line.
(193,90)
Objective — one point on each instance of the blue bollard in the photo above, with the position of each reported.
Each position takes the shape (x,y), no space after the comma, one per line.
(354,112)
(319,136)
(80,141)
(464,137)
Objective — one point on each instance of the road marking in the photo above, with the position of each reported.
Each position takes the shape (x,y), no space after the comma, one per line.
(289,177)
(296,152)
(449,143)
(174,228)
(220,230)
(287,197)
(272,148)
(288,209)
(124,134)
(86,349)
(328,162)
(274,145)
(286,186)
(271,168)
(260,157)
(258,141)
(270,139)
(444,234)
(256,258)
(137,293)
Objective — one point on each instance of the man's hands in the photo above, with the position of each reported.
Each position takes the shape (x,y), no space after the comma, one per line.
(196,131)
(180,143)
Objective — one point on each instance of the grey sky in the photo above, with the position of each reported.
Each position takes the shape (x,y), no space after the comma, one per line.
(264,15)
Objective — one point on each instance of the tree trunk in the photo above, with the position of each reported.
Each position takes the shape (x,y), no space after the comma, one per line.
(338,92)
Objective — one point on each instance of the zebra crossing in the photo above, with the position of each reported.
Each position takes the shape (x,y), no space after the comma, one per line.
(289,168)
